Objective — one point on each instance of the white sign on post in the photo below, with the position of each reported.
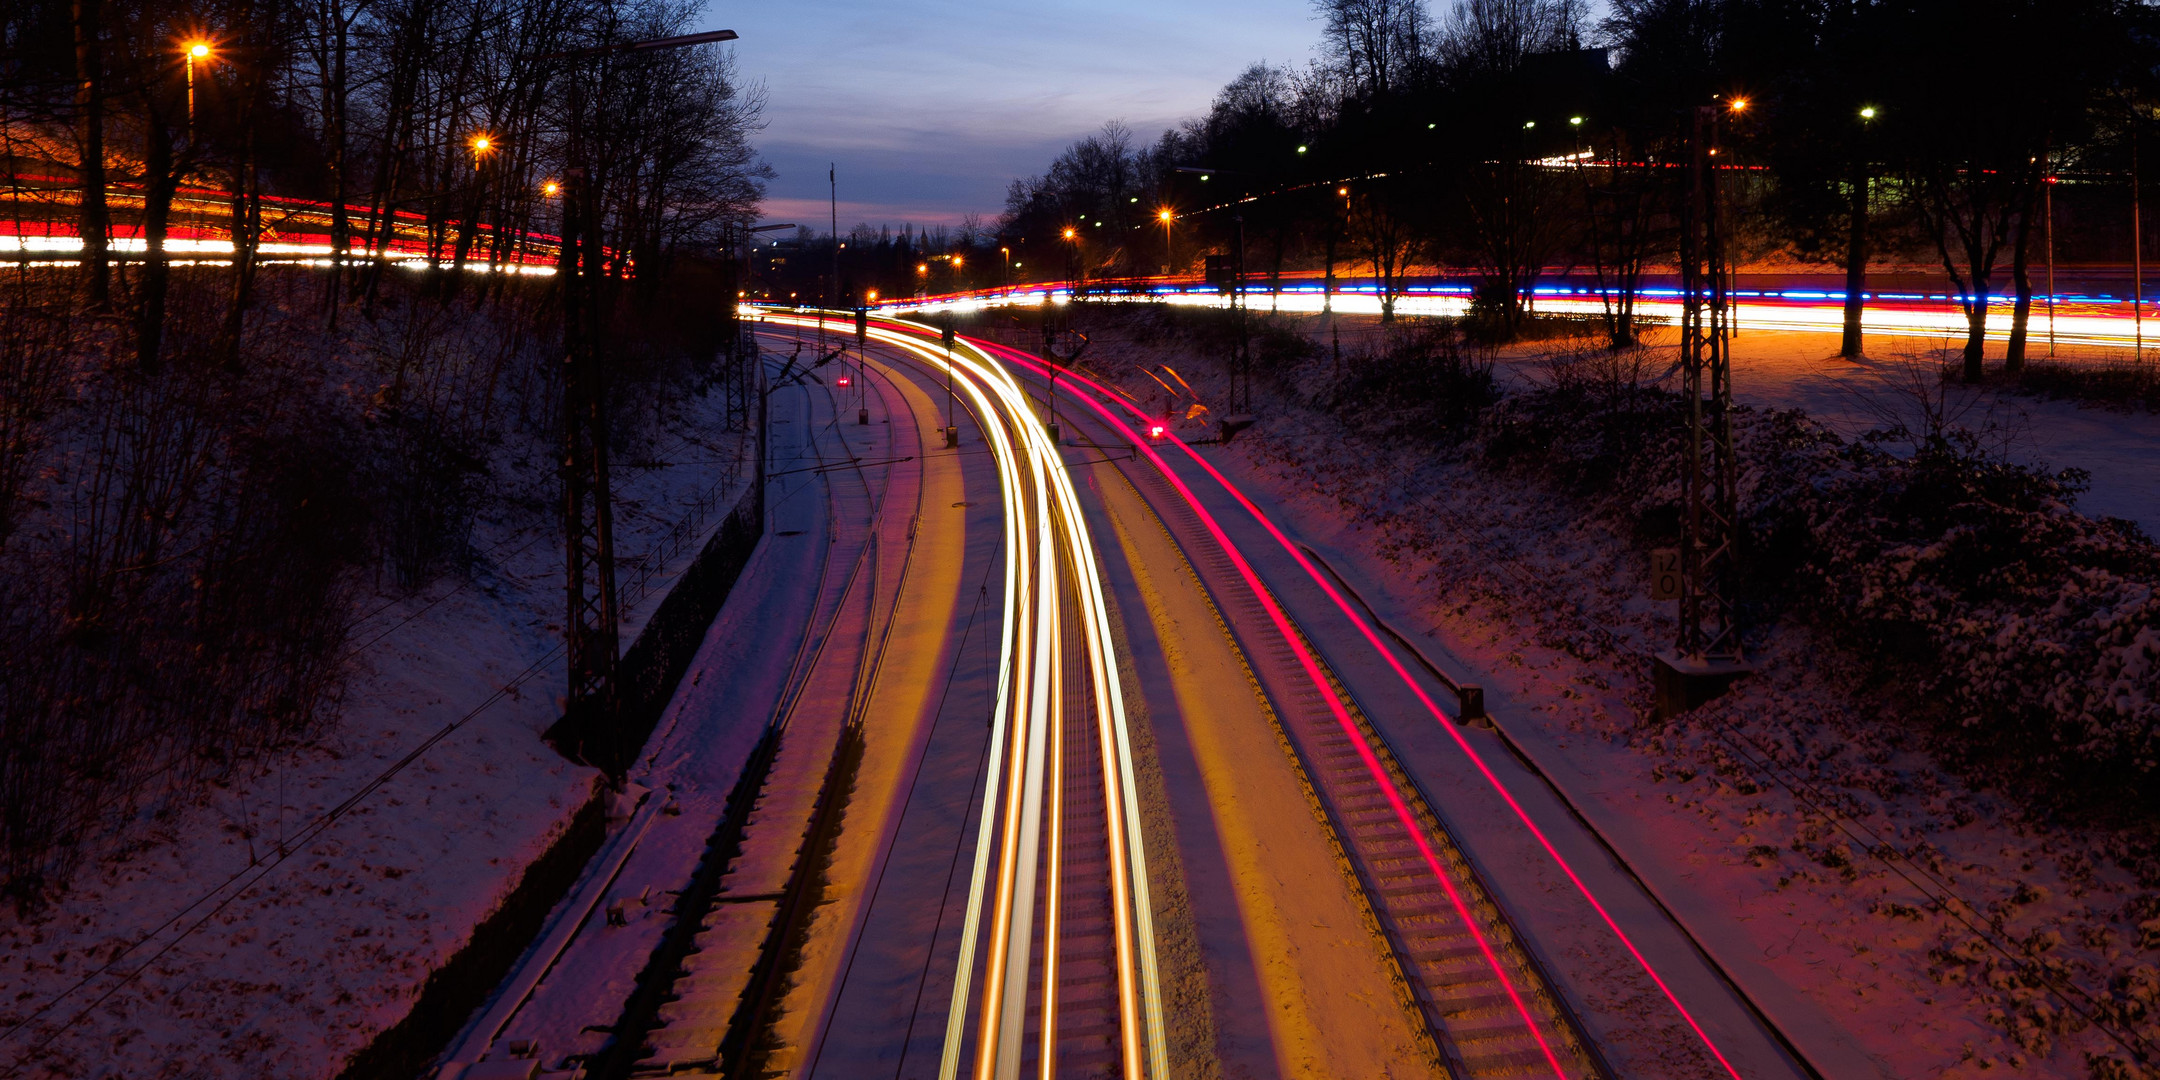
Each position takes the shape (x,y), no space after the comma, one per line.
(1665,574)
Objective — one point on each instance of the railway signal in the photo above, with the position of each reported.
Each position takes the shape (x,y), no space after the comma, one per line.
(952,429)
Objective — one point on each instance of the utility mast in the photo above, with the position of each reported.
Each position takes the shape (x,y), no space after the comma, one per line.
(592,638)
(1706,657)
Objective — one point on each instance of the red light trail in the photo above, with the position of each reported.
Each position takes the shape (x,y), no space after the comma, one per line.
(1244,568)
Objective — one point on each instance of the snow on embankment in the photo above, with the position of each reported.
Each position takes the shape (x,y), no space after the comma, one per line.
(279,921)
(1911,816)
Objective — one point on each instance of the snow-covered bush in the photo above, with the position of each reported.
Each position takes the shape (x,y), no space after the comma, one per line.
(180,549)
(174,601)
(1427,384)
(2028,633)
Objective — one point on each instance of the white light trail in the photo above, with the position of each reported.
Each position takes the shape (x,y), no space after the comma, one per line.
(1042,510)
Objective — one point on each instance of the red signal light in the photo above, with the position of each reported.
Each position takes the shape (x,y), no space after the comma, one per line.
(842,380)
(1156,431)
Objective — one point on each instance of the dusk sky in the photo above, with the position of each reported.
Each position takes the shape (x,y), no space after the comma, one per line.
(932,107)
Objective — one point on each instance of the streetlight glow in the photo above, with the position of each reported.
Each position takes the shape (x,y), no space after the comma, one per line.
(1575,120)
(1164,215)
(552,189)
(193,51)
(1867,112)
(1068,232)
(1739,104)
(1300,149)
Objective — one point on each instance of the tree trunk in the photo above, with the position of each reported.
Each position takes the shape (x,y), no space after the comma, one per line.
(161,180)
(2021,315)
(94,220)
(340,217)
(1976,331)
(246,227)
(1327,285)
(1856,256)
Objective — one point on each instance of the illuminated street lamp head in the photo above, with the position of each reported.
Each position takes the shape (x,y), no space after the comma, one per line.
(1069,233)
(1164,215)
(956,262)
(1575,120)
(1529,125)
(551,189)
(1867,112)
(481,144)
(873,296)
(1301,149)
(1343,191)
(199,50)
(922,268)
(1739,104)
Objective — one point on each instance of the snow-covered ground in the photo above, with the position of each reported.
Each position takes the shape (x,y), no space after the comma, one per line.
(239,935)
(1899,382)
(1844,877)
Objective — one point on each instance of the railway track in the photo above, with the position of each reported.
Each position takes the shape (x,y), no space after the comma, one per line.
(1078,970)
(1483,996)
(707,998)
(1055,972)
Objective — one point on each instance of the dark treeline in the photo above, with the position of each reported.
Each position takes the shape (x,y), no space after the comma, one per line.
(471,114)
(208,467)
(1514,138)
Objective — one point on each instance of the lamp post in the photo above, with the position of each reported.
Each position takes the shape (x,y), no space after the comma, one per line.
(1856,251)
(1167,217)
(196,50)
(1075,271)
(2048,196)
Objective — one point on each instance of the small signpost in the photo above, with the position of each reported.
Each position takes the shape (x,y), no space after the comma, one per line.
(1665,574)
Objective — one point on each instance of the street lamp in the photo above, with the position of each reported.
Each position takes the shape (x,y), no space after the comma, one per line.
(1165,216)
(1074,270)
(482,144)
(551,189)
(195,50)
(1867,112)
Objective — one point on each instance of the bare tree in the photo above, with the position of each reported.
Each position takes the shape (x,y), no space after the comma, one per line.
(1377,42)
(1493,37)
